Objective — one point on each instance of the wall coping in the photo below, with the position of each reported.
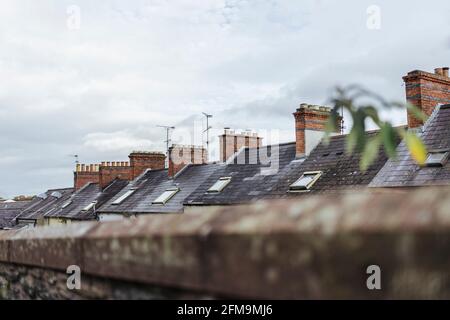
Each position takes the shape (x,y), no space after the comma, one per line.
(314,247)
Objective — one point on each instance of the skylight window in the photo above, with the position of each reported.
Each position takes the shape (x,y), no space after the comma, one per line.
(166,196)
(306,181)
(42,196)
(437,158)
(123,197)
(89,206)
(56,194)
(219,185)
(66,204)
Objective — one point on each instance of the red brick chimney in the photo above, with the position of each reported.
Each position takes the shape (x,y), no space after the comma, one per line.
(426,90)
(109,171)
(180,156)
(310,123)
(141,161)
(85,174)
(231,142)
(106,172)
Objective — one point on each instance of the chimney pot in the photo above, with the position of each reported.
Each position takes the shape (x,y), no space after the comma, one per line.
(438,71)
(445,72)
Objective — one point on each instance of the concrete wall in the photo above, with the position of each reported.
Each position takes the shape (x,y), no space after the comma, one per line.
(314,248)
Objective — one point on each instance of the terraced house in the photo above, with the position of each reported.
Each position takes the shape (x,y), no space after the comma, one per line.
(248,170)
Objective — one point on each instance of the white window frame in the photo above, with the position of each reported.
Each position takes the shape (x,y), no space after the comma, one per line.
(166,196)
(123,197)
(440,163)
(219,185)
(66,204)
(306,188)
(89,206)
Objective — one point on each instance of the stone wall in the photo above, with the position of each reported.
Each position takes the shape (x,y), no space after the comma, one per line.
(313,248)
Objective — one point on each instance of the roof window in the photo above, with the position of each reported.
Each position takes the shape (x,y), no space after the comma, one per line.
(219,185)
(123,197)
(166,196)
(305,182)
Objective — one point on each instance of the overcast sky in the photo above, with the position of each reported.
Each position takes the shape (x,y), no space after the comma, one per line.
(94,78)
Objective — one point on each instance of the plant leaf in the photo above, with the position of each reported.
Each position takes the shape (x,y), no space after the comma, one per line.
(370,153)
(416,148)
(388,135)
(416,112)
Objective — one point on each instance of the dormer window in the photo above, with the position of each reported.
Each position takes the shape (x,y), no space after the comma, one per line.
(305,182)
(219,185)
(166,196)
(437,158)
(123,197)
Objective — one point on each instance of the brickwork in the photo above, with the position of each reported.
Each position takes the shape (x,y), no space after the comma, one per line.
(141,161)
(85,174)
(426,90)
(106,172)
(181,155)
(231,142)
(118,170)
(310,117)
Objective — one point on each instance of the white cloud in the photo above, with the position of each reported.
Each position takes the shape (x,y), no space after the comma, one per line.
(101,90)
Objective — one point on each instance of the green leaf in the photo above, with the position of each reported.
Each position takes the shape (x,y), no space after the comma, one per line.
(370,153)
(351,140)
(416,112)
(416,148)
(388,135)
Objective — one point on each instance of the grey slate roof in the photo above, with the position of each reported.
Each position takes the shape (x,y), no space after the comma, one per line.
(340,172)
(39,207)
(152,184)
(254,176)
(251,176)
(85,196)
(404,172)
(9,211)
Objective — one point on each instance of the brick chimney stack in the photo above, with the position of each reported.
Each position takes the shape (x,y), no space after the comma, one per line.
(231,142)
(181,156)
(141,161)
(310,123)
(426,90)
(108,171)
(86,173)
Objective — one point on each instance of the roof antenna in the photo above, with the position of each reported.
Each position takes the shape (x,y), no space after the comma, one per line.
(167,141)
(208,127)
(75,156)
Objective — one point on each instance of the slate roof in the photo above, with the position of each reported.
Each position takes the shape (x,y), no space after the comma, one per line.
(9,211)
(39,207)
(252,176)
(152,184)
(404,172)
(340,172)
(85,196)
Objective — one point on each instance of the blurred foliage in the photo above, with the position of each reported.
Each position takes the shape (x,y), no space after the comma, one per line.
(349,99)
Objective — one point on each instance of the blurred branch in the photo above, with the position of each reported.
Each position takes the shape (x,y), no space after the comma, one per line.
(348,99)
